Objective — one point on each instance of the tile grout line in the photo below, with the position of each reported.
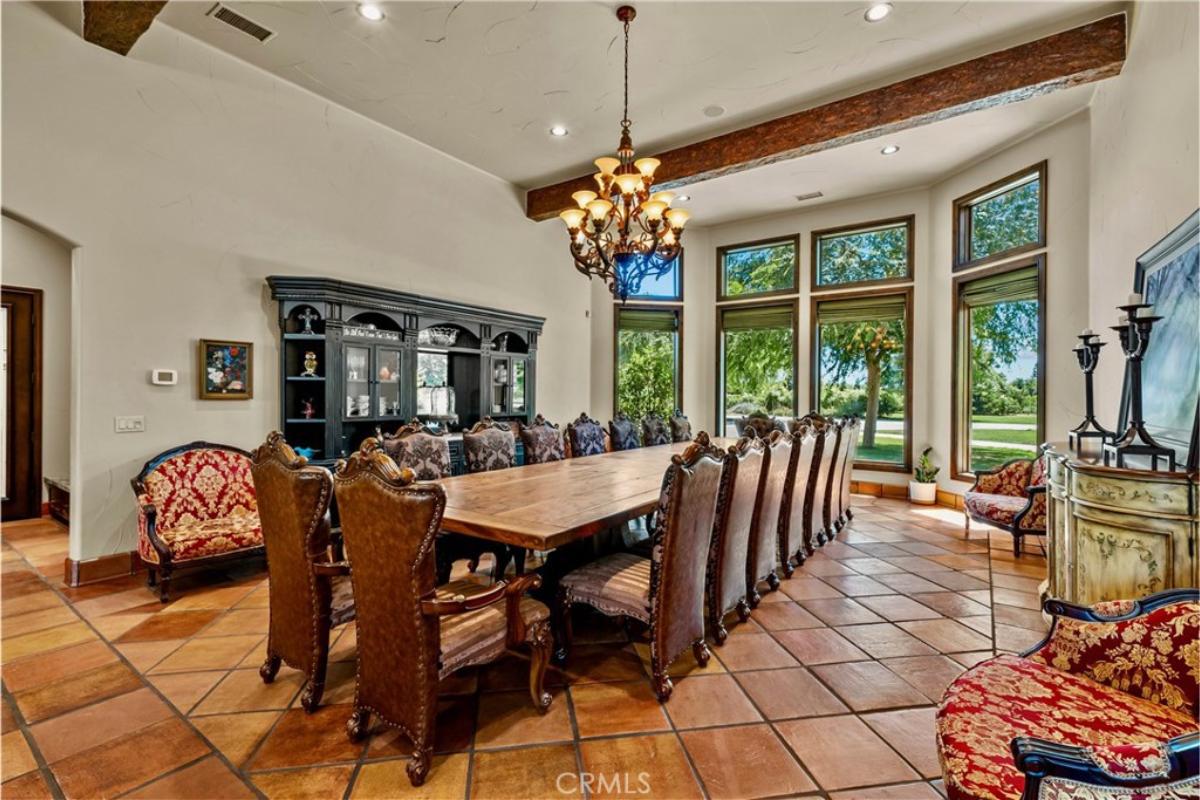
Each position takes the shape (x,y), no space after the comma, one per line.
(146,684)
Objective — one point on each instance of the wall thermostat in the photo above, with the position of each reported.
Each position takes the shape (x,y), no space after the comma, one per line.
(164,377)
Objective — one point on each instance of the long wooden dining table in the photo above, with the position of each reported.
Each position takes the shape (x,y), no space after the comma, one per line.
(543,506)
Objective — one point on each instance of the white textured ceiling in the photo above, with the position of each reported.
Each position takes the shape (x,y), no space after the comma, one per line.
(484,81)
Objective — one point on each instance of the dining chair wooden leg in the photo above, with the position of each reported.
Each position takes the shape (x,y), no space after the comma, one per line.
(310,698)
(701,652)
(358,724)
(743,610)
(541,642)
(269,668)
(561,614)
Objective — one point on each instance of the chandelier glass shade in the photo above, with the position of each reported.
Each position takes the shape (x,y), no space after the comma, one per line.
(624,232)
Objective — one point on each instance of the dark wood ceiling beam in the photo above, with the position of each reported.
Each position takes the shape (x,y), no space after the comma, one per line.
(117,24)
(1077,56)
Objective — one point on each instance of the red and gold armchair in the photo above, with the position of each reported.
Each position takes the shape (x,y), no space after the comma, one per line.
(196,505)
(1011,496)
(1105,707)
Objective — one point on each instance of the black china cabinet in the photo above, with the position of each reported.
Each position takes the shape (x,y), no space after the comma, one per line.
(357,358)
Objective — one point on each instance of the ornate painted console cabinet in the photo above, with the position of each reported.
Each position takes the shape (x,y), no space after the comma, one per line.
(1118,533)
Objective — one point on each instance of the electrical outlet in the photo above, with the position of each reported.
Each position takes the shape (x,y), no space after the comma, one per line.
(130,424)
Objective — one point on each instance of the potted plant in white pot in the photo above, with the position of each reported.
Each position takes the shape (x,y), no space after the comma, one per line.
(923,487)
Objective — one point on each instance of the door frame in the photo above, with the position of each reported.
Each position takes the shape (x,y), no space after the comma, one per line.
(15,507)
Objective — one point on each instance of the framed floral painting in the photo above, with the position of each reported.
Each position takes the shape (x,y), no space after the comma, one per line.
(226,370)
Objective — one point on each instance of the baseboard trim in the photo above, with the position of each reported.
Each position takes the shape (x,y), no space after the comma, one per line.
(78,573)
(900,492)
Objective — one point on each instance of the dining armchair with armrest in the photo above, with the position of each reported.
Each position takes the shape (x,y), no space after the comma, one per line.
(309,593)
(665,591)
(411,632)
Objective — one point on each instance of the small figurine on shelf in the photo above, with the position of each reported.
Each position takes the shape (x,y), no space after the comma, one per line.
(310,364)
(308,409)
(308,316)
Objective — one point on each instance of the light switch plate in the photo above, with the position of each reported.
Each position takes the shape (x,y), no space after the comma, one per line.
(130,424)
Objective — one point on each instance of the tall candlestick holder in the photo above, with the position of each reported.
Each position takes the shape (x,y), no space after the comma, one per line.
(1088,354)
(1134,333)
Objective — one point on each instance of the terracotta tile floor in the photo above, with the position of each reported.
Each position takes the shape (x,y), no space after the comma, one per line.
(828,691)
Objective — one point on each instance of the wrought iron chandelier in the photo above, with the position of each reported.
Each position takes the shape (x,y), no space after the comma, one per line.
(624,233)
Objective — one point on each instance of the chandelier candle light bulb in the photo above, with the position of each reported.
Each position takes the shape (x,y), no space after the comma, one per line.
(626,241)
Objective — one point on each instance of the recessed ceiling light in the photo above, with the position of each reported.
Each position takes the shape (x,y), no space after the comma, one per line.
(878,12)
(683,198)
(891,148)
(370,11)
(558,130)
(714,111)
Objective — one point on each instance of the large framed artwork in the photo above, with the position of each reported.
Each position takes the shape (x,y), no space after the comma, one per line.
(226,370)
(1168,277)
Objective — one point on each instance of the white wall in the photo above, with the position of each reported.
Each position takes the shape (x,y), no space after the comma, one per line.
(186,177)
(1145,165)
(34,260)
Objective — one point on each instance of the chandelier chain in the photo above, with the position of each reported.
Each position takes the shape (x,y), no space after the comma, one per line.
(625,111)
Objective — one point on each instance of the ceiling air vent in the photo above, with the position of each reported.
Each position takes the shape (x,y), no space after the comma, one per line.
(230,17)
(810,196)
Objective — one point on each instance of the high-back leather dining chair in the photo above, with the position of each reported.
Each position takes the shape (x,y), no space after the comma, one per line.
(624,433)
(764,544)
(841,471)
(681,427)
(792,545)
(827,433)
(412,633)
(737,509)
(543,441)
(847,513)
(585,437)
(665,591)
(654,430)
(309,593)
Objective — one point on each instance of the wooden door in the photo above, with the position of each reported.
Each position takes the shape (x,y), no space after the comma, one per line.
(21,324)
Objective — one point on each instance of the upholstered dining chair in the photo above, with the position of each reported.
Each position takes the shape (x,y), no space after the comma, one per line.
(681,428)
(655,430)
(624,433)
(489,445)
(760,425)
(841,513)
(309,593)
(827,434)
(764,543)
(543,441)
(426,452)
(793,546)
(737,518)
(412,633)
(585,437)
(665,591)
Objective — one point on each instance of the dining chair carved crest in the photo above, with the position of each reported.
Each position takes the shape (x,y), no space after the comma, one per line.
(310,593)
(681,427)
(667,590)
(410,632)
(738,504)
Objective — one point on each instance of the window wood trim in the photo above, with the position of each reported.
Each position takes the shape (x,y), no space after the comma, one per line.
(815,367)
(909,220)
(794,303)
(961,221)
(787,290)
(673,307)
(959,397)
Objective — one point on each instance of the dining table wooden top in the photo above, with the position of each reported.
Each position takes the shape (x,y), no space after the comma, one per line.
(543,506)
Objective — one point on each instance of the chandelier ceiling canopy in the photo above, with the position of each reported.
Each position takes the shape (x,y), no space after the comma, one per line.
(625,232)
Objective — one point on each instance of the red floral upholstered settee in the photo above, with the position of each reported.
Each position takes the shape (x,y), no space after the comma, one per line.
(196,505)
(1105,707)
(1012,497)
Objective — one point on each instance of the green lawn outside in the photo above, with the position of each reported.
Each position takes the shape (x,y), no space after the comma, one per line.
(1023,419)
(887,448)
(1003,435)
(984,458)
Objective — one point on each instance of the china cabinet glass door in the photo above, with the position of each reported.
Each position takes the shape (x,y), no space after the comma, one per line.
(358,381)
(518,386)
(387,373)
(501,378)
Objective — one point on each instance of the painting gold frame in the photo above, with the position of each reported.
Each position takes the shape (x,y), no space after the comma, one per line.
(203,348)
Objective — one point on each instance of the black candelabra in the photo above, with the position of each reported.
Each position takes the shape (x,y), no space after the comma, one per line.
(1088,354)
(1134,333)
